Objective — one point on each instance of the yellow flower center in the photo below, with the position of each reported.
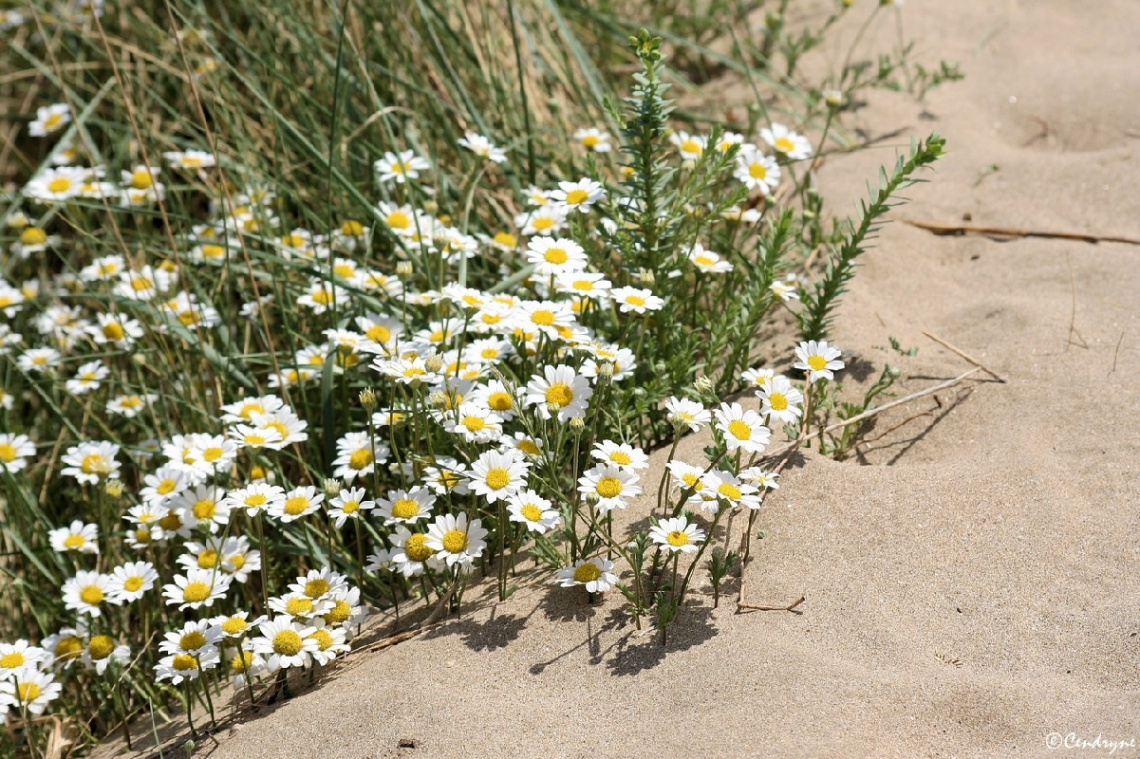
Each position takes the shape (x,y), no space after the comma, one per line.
(621,457)
(296,505)
(317,587)
(255,500)
(166,487)
(91,595)
(74,542)
(500,401)
(608,487)
(729,491)
(352,228)
(12,660)
(234,626)
(378,333)
(213,251)
(560,393)
(237,560)
(757,171)
(474,423)
(591,140)
(555,255)
(690,146)
(101,646)
(417,549)
(191,161)
(454,541)
(68,648)
(542,223)
(588,572)
(52,121)
(678,538)
(784,145)
(299,606)
(205,509)
(33,236)
(344,271)
(350,507)
(341,610)
(27,692)
(778,401)
(635,300)
(543,317)
(506,239)
(254,439)
(360,458)
(142,180)
(575,197)
(322,296)
(208,558)
(704,260)
(241,661)
(323,638)
(817,363)
(59,184)
(531,512)
(132,584)
(498,478)
(195,592)
(212,454)
(413,371)
(171,522)
(184,662)
(739,430)
(528,447)
(405,508)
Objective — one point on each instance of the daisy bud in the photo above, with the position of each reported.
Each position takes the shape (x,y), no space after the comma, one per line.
(332,487)
(434,363)
(113,488)
(704,385)
(606,370)
(403,269)
(553,408)
(138,359)
(578,423)
(833,98)
(646,276)
(438,399)
(592,499)
(430,206)
(368,399)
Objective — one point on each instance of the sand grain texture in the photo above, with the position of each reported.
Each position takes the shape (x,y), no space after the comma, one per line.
(971,590)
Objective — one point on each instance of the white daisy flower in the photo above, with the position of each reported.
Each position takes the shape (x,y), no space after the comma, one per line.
(256,497)
(78,538)
(613,487)
(15,451)
(578,195)
(399,168)
(30,691)
(411,554)
(101,651)
(794,146)
(197,588)
(406,506)
(297,503)
(555,255)
(636,299)
(529,508)
(757,171)
(49,119)
(87,462)
(819,360)
(593,139)
(495,475)
(130,581)
(621,455)
(676,535)
(475,424)
(481,146)
(285,643)
(687,413)
(691,147)
(20,655)
(86,592)
(455,540)
(742,429)
(593,573)
(780,401)
(348,504)
(559,391)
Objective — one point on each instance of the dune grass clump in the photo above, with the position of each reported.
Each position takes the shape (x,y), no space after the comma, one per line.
(290,339)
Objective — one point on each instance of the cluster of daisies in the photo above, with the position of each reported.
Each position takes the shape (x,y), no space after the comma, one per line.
(500,383)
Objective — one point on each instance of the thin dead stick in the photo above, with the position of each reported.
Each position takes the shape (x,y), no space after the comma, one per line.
(871,412)
(966,356)
(789,607)
(971,229)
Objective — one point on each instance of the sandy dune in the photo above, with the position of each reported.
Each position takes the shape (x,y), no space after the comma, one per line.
(970,590)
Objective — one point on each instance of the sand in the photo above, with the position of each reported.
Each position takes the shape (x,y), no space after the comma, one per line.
(970,578)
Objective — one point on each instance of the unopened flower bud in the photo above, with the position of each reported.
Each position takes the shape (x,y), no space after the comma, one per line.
(438,399)
(703,384)
(403,269)
(113,488)
(606,370)
(646,276)
(368,399)
(578,423)
(332,487)
(430,206)
(434,363)
(553,407)
(592,499)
